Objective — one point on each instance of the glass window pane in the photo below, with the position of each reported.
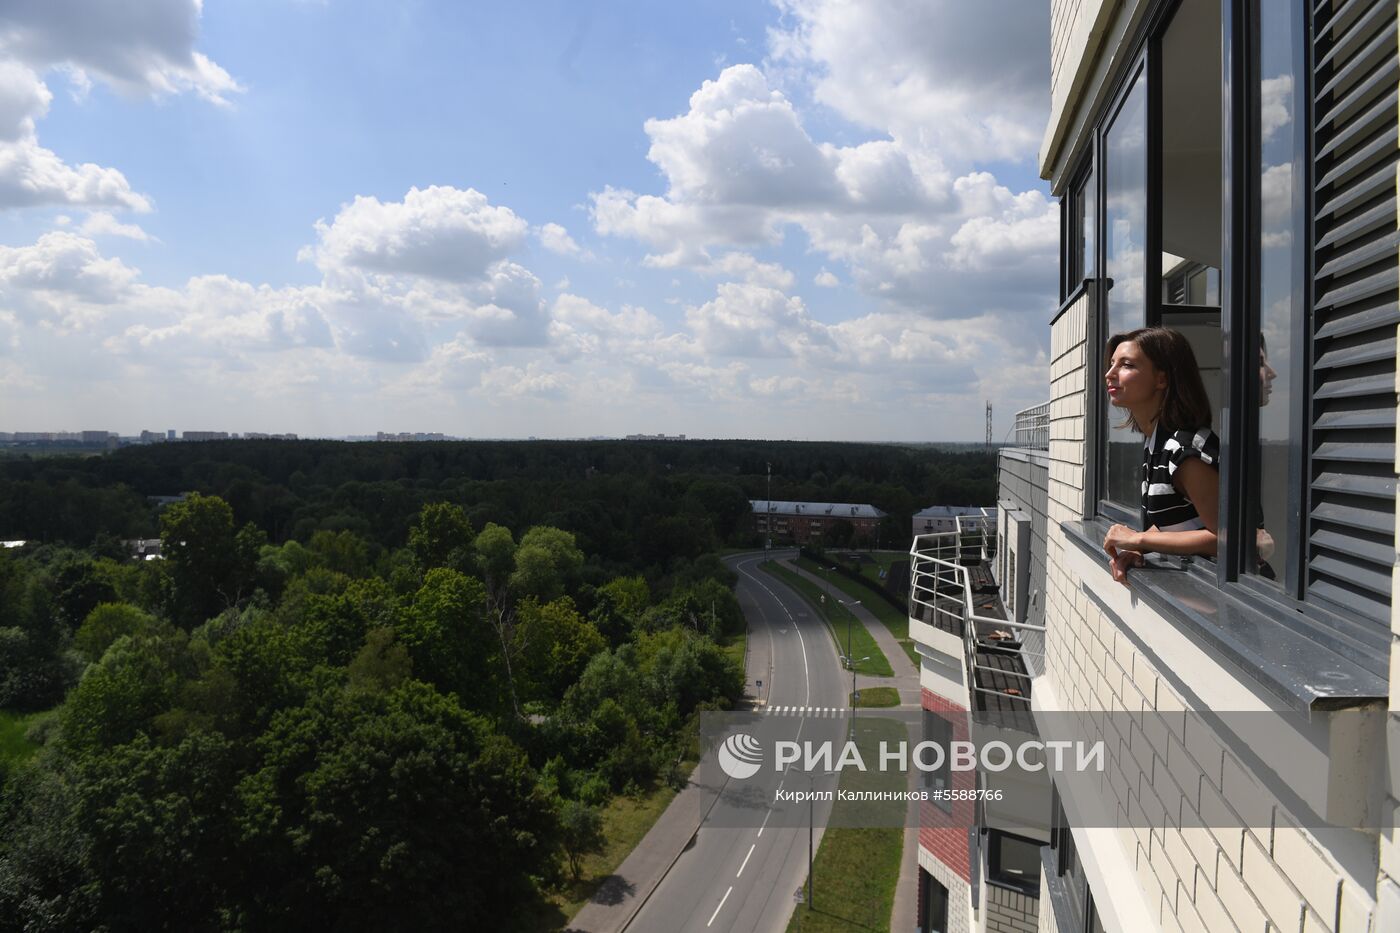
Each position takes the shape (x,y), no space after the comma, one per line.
(1280,148)
(1091,216)
(1125,250)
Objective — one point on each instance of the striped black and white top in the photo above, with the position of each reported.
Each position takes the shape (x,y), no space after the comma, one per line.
(1162,454)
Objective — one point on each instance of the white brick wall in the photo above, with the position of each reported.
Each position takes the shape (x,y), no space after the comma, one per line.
(1011,911)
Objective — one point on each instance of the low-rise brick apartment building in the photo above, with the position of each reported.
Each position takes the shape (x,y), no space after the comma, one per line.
(808,522)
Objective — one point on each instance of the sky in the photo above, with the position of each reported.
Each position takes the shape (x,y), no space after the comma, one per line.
(806,219)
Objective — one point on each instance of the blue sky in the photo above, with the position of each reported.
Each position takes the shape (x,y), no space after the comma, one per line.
(800,219)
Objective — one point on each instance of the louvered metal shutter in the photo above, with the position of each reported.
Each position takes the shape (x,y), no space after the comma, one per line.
(1351,523)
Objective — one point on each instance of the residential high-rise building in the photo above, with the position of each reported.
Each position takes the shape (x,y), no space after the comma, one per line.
(1226,169)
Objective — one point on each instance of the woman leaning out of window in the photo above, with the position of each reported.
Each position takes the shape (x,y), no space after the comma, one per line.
(1153,377)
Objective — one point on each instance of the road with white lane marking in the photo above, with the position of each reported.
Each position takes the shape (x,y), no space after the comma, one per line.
(742,878)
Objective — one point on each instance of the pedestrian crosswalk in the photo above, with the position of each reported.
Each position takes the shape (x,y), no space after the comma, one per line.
(810,712)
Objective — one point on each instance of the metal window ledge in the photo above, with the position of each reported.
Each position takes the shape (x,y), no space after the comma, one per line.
(1304,673)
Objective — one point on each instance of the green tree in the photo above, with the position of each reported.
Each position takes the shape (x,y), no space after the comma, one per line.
(687,669)
(342,551)
(495,557)
(547,562)
(108,622)
(335,837)
(555,644)
(445,633)
(382,663)
(120,696)
(211,564)
(580,832)
(150,814)
(442,537)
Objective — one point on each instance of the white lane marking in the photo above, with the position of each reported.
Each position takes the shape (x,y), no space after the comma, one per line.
(721,904)
(765,820)
(746,860)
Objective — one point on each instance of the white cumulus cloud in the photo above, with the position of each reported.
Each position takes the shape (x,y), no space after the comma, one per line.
(438,232)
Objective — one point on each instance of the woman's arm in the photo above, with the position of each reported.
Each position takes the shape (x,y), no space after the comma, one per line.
(1200,484)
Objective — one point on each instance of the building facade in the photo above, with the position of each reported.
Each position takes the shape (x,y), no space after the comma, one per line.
(808,522)
(1226,168)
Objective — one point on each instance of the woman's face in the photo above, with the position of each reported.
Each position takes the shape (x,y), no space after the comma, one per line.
(1132,381)
(1266,379)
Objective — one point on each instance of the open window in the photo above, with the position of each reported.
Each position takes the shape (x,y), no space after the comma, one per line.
(1163,202)
(1248,200)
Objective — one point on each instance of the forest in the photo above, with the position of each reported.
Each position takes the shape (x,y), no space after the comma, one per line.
(371,685)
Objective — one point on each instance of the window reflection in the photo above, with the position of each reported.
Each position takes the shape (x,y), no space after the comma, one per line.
(1277,311)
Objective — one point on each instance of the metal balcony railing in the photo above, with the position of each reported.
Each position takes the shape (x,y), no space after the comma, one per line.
(941,569)
(1033,427)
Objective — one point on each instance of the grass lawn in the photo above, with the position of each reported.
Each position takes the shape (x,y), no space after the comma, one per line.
(875,697)
(837,616)
(733,646)
(894,620)
(13,745)
(857,867)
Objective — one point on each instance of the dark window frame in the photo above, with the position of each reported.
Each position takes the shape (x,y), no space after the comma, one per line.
(931,779)
(1073,266)
(1098,327)
(933,904)
(995,875)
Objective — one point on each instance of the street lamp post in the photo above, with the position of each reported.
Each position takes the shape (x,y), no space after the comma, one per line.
(854,662)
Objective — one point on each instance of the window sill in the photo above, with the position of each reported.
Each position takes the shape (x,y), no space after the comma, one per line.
(1305,673)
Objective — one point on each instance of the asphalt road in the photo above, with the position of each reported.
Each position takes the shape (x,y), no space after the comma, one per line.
(742,868)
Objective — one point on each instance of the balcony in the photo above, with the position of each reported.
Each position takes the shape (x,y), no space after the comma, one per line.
(1032,427)
(955,609)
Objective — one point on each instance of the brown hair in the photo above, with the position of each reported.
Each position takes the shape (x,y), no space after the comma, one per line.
(1185,406)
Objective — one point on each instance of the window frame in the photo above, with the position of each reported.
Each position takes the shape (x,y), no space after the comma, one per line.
(1073,266)
(1242,36)
(1027,886)
(1098,326)
(1145,60)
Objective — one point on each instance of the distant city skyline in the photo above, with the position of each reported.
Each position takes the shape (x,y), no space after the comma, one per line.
(795,219)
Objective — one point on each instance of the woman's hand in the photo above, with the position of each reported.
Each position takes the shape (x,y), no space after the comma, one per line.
(1124,548)
(1122,538)
(1119,565)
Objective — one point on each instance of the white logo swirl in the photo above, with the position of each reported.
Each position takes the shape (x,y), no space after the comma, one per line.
(740,756)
